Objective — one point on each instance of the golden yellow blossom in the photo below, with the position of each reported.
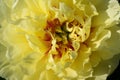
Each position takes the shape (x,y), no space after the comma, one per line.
(59,39)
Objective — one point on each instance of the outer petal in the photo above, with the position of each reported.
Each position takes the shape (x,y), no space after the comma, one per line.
(113,12)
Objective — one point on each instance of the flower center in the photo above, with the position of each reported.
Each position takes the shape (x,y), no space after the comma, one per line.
(65,38)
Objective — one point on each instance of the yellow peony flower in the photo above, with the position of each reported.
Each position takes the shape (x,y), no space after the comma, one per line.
(59,39)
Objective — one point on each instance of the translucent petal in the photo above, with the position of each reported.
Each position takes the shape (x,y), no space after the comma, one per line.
(113,12)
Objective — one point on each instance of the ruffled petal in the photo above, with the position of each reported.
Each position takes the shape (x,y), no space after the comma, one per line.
(59,39)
